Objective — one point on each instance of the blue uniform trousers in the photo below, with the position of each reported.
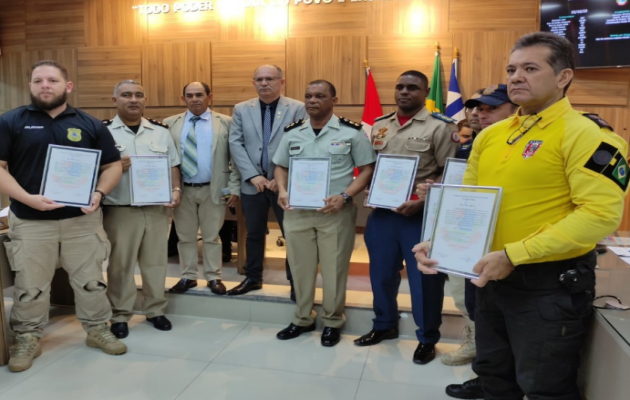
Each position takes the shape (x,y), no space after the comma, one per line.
(389,238)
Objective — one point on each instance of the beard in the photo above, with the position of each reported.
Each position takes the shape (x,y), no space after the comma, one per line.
(55,102)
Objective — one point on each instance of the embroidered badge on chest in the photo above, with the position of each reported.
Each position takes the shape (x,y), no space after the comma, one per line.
(531,148)
(381,133)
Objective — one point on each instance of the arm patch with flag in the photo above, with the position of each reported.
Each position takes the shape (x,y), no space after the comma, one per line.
(609,162)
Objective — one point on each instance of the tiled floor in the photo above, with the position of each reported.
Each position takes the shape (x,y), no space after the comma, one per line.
(222,359)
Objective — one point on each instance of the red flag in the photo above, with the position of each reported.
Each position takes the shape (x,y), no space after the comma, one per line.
(372,108)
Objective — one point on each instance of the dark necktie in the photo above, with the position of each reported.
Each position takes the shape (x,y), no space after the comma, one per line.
(266,138)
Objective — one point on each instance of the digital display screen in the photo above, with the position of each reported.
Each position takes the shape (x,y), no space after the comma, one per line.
(599,29)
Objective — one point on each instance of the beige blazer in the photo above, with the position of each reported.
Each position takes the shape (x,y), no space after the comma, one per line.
(224,172)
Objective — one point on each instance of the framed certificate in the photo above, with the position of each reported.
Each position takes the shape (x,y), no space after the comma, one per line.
(464,227)
(309,181)
(454,171)
(70,175)
(392,182)
(431,204)
(150,180)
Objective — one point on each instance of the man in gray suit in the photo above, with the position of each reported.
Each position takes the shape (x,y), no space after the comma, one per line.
(256,131)
(201,138)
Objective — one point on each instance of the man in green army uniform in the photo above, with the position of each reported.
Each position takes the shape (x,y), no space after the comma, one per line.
(137,234)
(326,235)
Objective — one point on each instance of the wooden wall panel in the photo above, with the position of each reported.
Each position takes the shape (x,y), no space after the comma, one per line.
(54,24)
(483,58)
(410,17)
(334,19)
(600,87)
(253,23)
(99,69)
(391,56)
(114,23)
(16,73)
(167,67)
(12,26)
(478,15)
(183,27)
(233,65)
(336,59)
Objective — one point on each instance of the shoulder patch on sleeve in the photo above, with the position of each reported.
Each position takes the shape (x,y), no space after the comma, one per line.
(384,116)
(443,117)
(294,125)
(108,122)
(598,120)
(350,123)
(156,122)
(608,161)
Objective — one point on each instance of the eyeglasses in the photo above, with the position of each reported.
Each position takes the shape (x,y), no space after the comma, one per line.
(268,79)
(523,129)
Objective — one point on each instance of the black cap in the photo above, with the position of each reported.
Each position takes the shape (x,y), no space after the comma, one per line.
(493,95)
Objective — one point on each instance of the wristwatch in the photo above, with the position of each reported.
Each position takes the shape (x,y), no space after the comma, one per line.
(346,197)
(102,195)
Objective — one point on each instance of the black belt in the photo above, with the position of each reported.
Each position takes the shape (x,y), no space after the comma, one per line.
(197,185)
(547,274)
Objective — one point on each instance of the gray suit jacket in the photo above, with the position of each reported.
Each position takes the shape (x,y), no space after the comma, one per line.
(222,175)
(246,135)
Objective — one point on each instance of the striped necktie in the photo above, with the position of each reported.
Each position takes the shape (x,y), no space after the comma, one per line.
(266,138)
(189,161)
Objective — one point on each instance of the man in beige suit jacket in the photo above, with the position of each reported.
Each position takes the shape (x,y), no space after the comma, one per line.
(201,138)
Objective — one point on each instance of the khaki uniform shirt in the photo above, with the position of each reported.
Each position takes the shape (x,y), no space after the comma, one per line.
(345,143)
(425,135)
(151,139)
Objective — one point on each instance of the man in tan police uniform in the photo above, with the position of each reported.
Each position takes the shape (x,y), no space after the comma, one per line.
(201,138)
(326,235)
(137,234)
(390,234)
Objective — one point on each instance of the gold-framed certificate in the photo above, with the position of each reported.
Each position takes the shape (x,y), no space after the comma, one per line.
(150,180)
(464,227)
(309,182)
(392,181)
(70,175)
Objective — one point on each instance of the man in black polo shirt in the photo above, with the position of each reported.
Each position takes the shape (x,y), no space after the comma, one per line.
(44,233)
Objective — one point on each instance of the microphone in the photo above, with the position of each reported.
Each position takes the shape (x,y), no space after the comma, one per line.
(225,192)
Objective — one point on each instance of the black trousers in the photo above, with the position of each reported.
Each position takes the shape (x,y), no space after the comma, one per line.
(530,329)
(256,211)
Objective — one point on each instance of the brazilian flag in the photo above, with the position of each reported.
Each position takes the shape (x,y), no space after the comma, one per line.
(435,102)
(621,172)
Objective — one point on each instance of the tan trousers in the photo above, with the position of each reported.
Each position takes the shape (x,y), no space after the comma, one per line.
(137,234)
(197,210)
(35,249)
(457,284)
(327,239)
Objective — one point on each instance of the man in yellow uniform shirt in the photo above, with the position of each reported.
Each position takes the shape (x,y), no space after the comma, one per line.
(564,176)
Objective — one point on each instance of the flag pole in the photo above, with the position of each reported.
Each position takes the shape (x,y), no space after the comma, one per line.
(456,60)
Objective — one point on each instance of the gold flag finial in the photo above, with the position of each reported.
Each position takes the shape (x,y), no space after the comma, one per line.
(437,46)
(455,53)
(366,64)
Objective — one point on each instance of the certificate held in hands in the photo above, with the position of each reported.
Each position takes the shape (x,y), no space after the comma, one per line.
(464,227)
(70,175)
(150,180)
(309,181)
(392,182)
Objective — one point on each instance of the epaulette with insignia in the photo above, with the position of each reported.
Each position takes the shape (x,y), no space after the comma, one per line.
(598,120)
(295,124)
(108,121)
(156,122)
(350,123)
(384,116)
(443,117)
